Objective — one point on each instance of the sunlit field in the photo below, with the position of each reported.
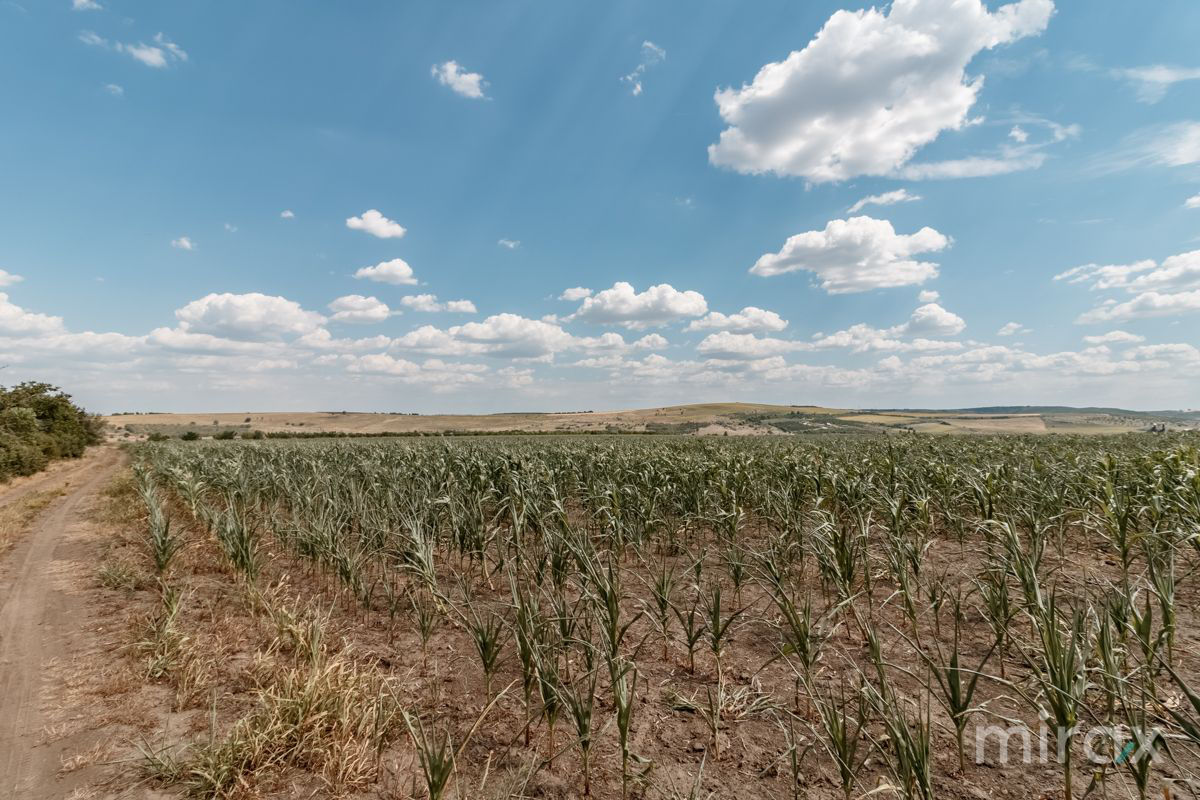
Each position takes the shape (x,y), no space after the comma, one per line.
(663,617)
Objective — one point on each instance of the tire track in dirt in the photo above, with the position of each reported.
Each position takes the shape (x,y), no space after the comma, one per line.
(39,618)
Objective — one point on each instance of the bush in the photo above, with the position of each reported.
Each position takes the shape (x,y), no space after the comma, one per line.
(225,434)
(254,435)
(39,423)
(190,436)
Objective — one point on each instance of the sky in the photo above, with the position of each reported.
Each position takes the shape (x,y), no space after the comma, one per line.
(451,206)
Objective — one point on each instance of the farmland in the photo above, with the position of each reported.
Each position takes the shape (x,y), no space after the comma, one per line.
(665,617)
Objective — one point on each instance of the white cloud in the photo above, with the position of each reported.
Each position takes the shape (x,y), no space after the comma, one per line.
(429,303)
(247,317)
(749,320)
(16,321)
(114,89)
(1149,304)
(856,255)
(931,320)
(928,296)
(183,243)
(623,305)
(376,224)
(1173,145)
(230,227)
(973,167)
(467,84)
(1192,202)
(1011,329)
(1018,134)
(159,55)
(744,345)
(1152,82)
(869,90)
(651,54)
(513,336)
(511,244)
(885,199)
(8,278)
(396,272)
(356,308)
(651,341)
(1176,273)
(86,5)
(287,213)
(1115,337)
(575,293)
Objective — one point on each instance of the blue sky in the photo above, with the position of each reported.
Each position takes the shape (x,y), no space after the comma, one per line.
(230,206)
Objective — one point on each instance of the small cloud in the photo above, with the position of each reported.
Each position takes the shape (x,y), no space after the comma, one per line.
(1018,134)
(651,54)
(114,89)
(1012,329)
(183,243)
(230,228)
(511,244)
(8,278)
(86,5)
(287,213)
(928,296)
(396,272)
(467,84)
(885,199)
(575,294)
(376,224)
(429,303)
(685,202)
(1151,83)
(93,39)
(1192,202)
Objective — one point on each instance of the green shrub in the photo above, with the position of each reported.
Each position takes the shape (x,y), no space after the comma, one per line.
(39,423)
(190,436)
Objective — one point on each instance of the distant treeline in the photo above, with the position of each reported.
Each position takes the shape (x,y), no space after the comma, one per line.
(39,423)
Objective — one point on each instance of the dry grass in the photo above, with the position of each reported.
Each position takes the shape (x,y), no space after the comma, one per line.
(17,516)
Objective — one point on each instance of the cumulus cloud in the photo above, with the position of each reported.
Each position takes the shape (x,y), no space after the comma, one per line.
(357,308)
(1166,289)
(247,317)
(467,84)
(575,293)
(287,213)
(1149,304)
(183,243)
(857,255)
(1114,337)
(509,244)
(85,5)
(1192,202)
(429,303)
(870,89)
(396,272)
(16,321)
(885,199)
(651,54)
(8,278)
(928,296)
(376,224)
(623,305)
(749,320)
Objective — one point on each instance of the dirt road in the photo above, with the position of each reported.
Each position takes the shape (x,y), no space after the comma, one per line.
(44,617)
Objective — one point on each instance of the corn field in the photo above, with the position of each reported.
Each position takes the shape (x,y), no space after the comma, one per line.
(661,617)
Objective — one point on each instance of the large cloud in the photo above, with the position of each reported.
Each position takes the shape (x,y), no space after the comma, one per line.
(623,305)
(856,255)
(16,321)
(868,91)
(249,317)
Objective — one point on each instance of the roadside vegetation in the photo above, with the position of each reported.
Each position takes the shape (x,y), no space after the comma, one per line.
(643,617)
(39,424)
